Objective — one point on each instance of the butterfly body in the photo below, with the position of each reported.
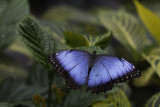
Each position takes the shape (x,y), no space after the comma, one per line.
(92,59)
(98,72)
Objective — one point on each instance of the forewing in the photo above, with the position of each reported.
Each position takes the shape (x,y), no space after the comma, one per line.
(119,69)
(73,65)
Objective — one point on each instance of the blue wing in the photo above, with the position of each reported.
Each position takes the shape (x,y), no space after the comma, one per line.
(73,65)
(108,70)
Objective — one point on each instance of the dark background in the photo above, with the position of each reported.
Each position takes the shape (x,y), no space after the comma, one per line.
(39,6)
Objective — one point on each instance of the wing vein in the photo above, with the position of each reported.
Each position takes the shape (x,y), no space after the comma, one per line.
(117,64)
(105,67)
(77,64)
(108,60)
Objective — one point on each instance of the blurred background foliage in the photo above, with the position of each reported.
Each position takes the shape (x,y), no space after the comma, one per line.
(32,30)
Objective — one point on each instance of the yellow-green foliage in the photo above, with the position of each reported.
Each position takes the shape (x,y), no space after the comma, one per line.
(116,99)
(126,29)
(154,101)
(150,20)
(153,57)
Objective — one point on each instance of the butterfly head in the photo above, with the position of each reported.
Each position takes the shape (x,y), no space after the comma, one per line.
(94,52)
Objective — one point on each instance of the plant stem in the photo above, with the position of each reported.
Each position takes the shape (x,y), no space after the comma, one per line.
(50,80)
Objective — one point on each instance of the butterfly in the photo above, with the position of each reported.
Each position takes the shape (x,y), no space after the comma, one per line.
(98,71)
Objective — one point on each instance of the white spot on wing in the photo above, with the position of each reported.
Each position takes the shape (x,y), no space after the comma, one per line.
(122,59)
(133,67)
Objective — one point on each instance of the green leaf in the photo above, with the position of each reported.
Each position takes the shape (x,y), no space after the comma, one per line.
(75,40)
(116,99)
(119,99)
(150,20)
(80,98)
(103,40)
(154,101)
(56,31)
(125,88)
(38,41)
(126,29)
(11,11)
(153,57)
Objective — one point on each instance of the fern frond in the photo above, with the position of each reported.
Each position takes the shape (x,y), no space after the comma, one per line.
(38,41)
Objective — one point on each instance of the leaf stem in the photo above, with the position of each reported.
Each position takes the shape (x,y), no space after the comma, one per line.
(50,80)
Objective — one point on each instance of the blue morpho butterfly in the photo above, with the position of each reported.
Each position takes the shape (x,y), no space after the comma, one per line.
(98,72)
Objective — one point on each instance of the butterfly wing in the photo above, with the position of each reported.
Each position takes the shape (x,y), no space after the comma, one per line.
(108,70)
(99,79)
(73,65)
